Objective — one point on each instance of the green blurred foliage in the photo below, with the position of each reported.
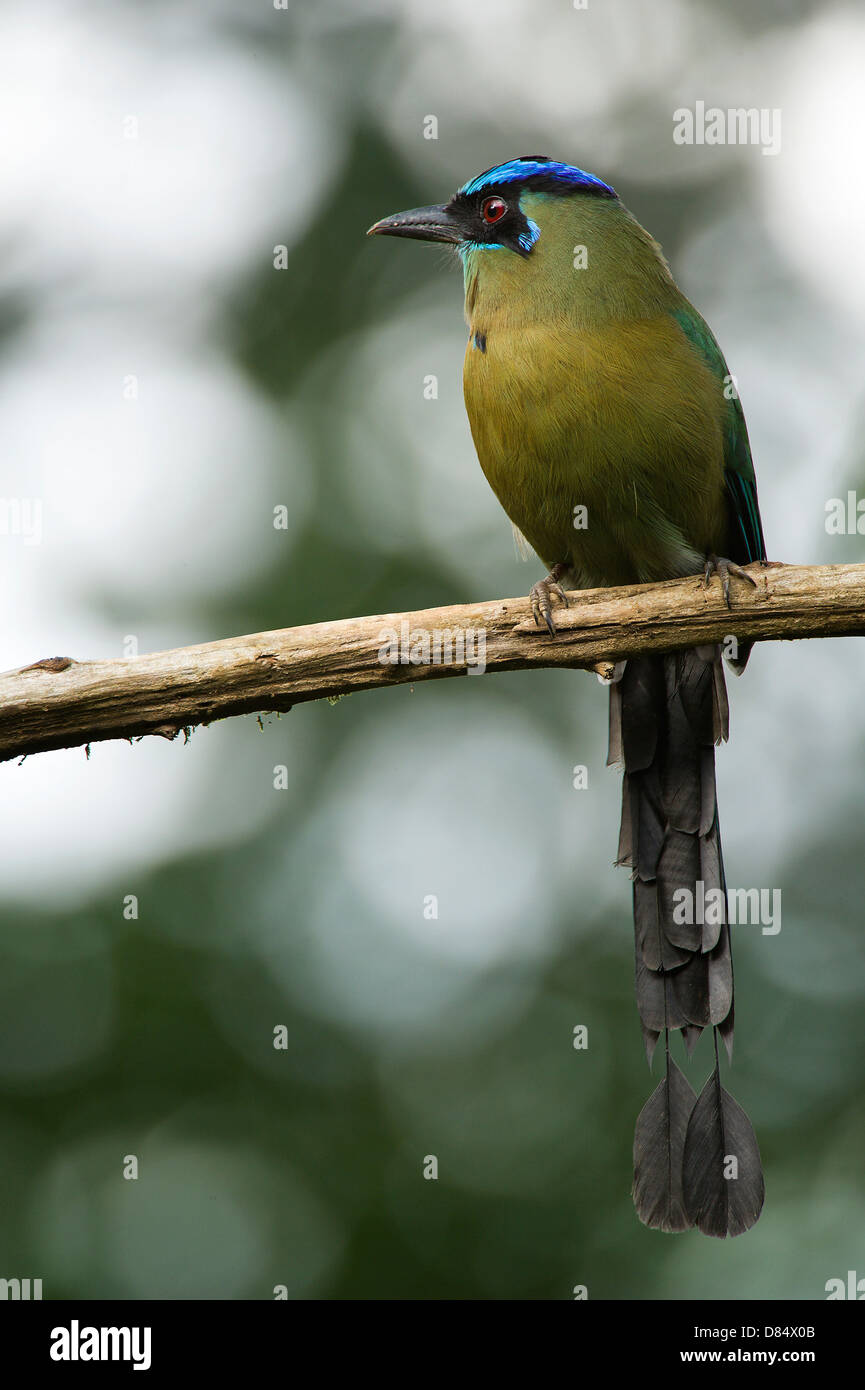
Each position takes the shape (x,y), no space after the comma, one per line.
(153,1037)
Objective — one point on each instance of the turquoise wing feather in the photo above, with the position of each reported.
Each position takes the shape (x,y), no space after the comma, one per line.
(746,541)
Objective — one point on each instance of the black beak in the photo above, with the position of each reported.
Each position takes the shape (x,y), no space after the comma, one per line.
(422,224)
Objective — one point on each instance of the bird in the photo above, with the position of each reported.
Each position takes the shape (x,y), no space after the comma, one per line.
(609,428)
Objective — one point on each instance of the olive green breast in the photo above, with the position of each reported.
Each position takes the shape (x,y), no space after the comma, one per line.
(587,393)
(622,419)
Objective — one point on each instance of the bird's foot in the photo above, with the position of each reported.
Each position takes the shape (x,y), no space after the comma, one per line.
(541,596)
(716,564)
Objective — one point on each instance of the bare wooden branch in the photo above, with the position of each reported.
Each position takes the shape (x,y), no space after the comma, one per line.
(61,703)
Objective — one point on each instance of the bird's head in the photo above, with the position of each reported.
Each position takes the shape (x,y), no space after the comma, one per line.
(500,210)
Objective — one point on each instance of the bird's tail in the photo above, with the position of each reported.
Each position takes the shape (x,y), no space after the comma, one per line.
(696,1160)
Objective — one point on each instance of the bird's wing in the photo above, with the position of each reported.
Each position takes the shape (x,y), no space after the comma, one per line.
(746,530)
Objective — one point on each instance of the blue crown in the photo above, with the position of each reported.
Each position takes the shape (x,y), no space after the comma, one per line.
(541,175)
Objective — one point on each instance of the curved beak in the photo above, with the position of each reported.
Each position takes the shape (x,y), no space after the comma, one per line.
(422,224)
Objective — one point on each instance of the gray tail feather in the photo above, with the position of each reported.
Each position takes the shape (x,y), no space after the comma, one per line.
(696,1161)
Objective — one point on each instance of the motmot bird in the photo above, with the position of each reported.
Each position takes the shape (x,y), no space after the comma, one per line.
(591,382)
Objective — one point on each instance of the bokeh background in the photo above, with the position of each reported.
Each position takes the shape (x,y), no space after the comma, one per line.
(162,388)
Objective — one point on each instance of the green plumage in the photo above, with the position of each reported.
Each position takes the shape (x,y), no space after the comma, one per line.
(597,395)
(603,388)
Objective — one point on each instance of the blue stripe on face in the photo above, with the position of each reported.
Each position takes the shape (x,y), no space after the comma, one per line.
(518,170)
(528,238)
(467,246)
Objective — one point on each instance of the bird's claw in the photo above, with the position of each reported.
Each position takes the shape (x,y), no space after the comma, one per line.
(716,564)
(541,597)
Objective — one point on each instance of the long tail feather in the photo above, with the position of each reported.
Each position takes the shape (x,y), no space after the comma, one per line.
(722,1177)
(666,715)
(659,1152)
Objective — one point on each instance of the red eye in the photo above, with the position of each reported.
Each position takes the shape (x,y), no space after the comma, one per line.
(493,210)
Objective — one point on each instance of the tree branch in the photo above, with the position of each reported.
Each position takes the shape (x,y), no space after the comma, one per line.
(61,703)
